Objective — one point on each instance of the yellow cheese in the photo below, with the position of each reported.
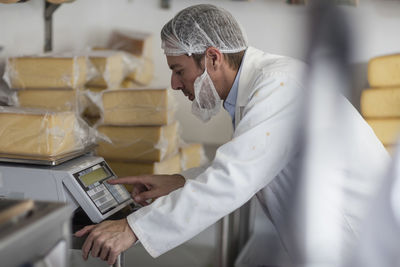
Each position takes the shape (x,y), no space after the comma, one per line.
(384,71)
(137,107)
(170,165)
(37,133)
(137,43)
(387,130)
(46,72)
(50,99)
(192,155)
(110,67)
(143,74)
(379,103)
(151,143)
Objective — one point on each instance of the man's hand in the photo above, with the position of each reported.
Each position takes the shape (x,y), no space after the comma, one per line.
(147,187)
(107,239)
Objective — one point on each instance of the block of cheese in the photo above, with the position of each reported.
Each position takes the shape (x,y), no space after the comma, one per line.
(40,72)
(145,143)
(49,99)
(387,130)
(384,71)
(110,67)
(138,107)
(143,74)
(37,133)
(192,155)
(171,165)
(135,42)
(380,102)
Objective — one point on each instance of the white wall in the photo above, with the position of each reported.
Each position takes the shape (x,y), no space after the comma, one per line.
(271,25)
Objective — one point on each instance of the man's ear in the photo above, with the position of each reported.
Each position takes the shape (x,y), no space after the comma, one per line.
(214,58)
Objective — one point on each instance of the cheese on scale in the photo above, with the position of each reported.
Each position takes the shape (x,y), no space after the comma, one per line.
(138,107)
(148,143)
(37,133)
(384,71)
(40,72)
(380,102)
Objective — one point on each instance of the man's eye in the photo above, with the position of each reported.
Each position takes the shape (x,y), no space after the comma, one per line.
(179,72)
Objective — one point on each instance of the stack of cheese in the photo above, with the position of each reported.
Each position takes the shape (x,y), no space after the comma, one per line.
(45,123)
(380,104)
(192,155)
(126,62)
(144,134)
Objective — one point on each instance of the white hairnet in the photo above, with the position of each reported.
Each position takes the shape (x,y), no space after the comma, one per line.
(198,27)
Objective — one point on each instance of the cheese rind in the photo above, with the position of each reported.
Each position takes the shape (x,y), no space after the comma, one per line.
(384,71)
(137,107)
(192,156)
(170,165)
(40,72)
(49,99)
(38,133)
(380,103)
(387,130)
(151,143)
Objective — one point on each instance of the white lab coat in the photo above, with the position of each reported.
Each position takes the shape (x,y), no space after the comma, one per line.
(260,159)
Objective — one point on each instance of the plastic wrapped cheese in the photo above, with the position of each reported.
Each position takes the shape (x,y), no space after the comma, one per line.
(139,44)
(35,132)
(151,143)
(170,165)
(387,130)
(380,102)
(384,71)
(46,71)
(192,155)
(138,107)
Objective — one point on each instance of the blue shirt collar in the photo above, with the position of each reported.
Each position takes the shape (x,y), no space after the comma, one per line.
(230,101)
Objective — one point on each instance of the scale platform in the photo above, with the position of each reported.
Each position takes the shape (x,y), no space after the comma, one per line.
(45,160)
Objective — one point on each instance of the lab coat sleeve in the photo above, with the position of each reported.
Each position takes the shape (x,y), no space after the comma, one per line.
(192,173)
(263,144)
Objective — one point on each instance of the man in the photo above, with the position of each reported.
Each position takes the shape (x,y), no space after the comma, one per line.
(211,62)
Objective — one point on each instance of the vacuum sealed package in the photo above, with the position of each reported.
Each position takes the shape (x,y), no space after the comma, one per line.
(138,107)
(47,71)
(35,132)
(139,143)
(112,67)
(140,45)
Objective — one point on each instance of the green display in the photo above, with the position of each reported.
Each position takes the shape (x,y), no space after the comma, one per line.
(94,176)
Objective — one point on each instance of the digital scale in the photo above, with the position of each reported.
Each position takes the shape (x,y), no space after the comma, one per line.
(81,182)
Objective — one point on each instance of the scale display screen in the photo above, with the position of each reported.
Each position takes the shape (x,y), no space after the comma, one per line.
(94,176)
(104,196)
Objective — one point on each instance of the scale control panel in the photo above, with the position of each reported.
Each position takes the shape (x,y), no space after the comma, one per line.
(98,198)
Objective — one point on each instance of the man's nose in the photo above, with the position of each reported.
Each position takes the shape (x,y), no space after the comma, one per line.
(176,84)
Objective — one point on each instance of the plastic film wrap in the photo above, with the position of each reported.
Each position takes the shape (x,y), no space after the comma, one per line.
(50,99)
(146,143)
(138,107)
(112,66)
(47,71)
(35,132)
(192,155)
(170,165)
